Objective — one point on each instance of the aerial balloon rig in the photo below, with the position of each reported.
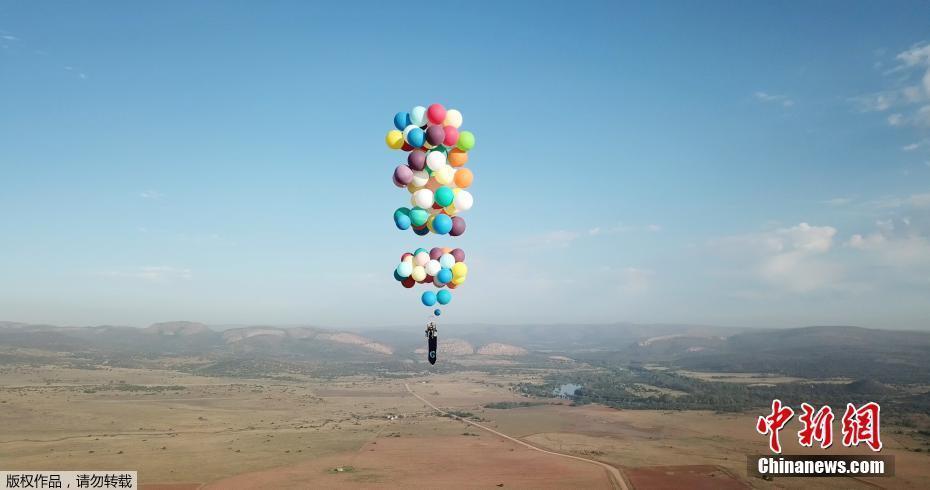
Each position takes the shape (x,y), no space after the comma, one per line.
(436,178)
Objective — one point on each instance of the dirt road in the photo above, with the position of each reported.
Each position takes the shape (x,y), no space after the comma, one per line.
(613,473)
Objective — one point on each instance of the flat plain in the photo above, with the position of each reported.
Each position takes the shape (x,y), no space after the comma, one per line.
(187,431)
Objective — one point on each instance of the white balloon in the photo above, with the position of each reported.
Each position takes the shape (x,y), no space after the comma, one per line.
(433,267)
(418,116)
(423,198)
(420,178)
(405,269)
(463,200)
(445,175)
(453,118)
(446,261)
(435,160)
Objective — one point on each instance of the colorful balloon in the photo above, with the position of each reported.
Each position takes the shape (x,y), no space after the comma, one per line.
(463,177)
(401,120)
(423,198)
(458,226)
(466,141)
(443,297)
(416,159)
(453,118)
(418,216)
(444,196)
(447,260)
(463,200)
(428,298)
(402,176)
(450,136)
(394,139)
(458,254)
(415,136)
(444,275)
(457,157)
(435,160)
(442,224)
(435,135)
(436,114)
(418,116)
(437,312)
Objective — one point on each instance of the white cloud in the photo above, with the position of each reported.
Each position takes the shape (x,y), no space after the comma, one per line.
(838,201)
(909,92)
(152,273)
(911,146)
(151,194)
(654,228)
(784,100)
(557,238)
(790,259)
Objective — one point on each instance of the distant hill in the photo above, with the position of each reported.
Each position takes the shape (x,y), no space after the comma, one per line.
(879,356)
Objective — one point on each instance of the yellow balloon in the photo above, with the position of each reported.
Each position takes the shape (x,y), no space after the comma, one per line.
(459,270)
(412,188)
(445,176)
(458,280)
(450,210)
(394,139)
(419,273)
(429,223)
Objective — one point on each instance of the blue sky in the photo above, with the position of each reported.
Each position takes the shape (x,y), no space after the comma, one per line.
(718,163)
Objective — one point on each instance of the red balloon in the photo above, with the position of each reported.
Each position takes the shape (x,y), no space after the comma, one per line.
(451,136)
(408,282)
(405,255)
(436,113)
(406,147)
(428,279)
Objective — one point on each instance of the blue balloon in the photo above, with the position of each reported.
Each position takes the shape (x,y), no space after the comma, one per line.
(437,312)
(402,221)
(397,276)
(444,297)
(444,276)
(416,137)
(401,120)
(428,298)
(423,231)
(442,224)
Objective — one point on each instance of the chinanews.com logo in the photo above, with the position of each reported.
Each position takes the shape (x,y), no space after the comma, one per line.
(860,425)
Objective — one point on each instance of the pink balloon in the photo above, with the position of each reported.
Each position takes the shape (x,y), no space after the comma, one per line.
(436,113)
(452,136)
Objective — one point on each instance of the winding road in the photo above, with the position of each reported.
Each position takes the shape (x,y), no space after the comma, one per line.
(613,474)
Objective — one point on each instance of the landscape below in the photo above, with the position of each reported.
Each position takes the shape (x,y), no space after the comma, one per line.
(187,404)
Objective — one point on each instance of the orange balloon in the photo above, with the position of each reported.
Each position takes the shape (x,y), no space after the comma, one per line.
(463,177)
(457,158)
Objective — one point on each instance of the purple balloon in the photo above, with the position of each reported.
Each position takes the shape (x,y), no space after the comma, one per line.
(403,175)
(435,135)
(458,227)
(436,252)
(416,160)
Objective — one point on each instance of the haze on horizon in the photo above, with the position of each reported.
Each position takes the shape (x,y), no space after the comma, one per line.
(673,163)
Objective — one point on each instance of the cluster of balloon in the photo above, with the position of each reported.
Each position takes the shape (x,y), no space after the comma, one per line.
(436,177)
(442,267)
(435,173)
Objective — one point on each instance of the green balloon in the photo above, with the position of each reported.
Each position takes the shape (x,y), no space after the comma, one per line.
(466,141)
(444,196)
(403,211)
(418,216)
